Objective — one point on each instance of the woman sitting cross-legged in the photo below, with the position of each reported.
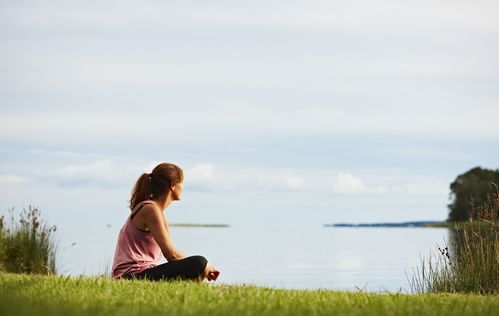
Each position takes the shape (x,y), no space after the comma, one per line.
(145,234)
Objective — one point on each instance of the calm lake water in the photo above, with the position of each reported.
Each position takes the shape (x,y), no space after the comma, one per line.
(304,257)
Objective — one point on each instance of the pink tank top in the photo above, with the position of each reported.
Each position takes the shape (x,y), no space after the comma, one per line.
(136,250)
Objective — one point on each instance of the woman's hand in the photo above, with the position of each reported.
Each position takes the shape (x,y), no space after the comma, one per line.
(213,273)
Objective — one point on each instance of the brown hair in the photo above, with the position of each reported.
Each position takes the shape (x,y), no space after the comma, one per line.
(157,183)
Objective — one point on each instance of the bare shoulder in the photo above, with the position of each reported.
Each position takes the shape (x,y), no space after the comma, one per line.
(151,210)
(148,214)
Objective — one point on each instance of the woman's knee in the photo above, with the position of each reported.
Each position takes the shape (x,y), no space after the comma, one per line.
(197,265)
(200,262)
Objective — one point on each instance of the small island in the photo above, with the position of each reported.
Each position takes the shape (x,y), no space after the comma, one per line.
(401,224)
(198,225)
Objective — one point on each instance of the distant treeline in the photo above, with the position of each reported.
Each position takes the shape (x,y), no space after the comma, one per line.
(197,225)
(403,224)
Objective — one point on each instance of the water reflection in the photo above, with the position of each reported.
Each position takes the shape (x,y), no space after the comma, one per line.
(376,259)
(305,257)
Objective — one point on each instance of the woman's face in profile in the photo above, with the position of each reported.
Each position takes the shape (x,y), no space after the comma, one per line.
(177,190)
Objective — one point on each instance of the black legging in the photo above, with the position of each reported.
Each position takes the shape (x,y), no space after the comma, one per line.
(190,268)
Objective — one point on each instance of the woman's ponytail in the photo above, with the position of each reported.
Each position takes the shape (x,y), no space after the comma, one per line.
(142,190)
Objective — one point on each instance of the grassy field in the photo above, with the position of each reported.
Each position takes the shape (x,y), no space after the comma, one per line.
(22,294)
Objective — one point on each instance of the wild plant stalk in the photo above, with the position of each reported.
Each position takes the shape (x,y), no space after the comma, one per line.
(27,245)
(472,265)
(1,242)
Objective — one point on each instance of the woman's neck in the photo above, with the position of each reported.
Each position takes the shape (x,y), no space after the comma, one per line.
(164,201)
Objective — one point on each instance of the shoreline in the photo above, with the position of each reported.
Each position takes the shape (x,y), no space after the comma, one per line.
(411,224)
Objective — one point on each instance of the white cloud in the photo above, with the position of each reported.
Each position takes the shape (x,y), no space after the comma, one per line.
(202,174)
(434,153)
(294,182)
(346,183)
(100,169)
(266,66)
(11,178)
(208,176)
(311,13)
(222,124)
(321,183)
(407,15)
(98,173)
(277,180)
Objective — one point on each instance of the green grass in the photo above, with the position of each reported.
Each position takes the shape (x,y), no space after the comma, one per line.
(22,294)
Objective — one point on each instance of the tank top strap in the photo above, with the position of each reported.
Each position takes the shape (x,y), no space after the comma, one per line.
(139,206)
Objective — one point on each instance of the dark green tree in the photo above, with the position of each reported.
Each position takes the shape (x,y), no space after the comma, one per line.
(476,185)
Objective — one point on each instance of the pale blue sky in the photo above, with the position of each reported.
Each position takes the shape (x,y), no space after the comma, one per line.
(296,112)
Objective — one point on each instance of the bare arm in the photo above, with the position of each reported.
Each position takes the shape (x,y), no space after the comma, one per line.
(158,227)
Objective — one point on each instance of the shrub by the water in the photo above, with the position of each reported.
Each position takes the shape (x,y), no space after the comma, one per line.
(474,185)
(471,264)
(27,244)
